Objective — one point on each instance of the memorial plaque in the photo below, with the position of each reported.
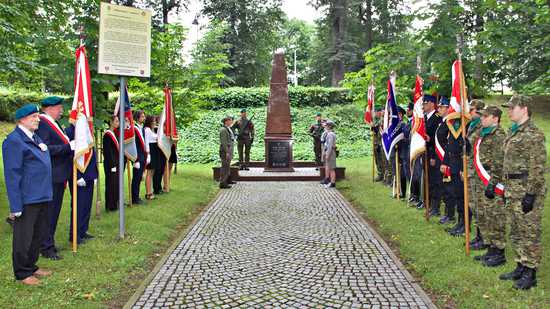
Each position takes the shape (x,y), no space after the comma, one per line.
(279,154)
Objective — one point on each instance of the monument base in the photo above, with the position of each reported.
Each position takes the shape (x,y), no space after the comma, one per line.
(278,154)
(303,171)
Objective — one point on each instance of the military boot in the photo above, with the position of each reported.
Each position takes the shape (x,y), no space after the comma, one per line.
(456,226)
(514,274)
(477,243)
(528,279)
(460,229)
(490,252)
(497,259)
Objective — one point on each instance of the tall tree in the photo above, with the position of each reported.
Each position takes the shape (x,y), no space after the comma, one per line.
(252,34)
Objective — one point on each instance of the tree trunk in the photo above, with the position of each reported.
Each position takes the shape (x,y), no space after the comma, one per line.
(165,10)
(338,16)
(368,20)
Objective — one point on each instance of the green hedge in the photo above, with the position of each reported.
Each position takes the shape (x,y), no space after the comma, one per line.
(299,96)
(11,100)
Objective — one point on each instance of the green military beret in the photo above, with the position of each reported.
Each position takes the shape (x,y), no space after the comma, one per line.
(51,101)
(26,110)
(224,119)
(491,110)
(318,114)
(518,100)
(243,110)
(477,104)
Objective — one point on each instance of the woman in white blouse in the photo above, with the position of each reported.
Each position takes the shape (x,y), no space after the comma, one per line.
(152,148)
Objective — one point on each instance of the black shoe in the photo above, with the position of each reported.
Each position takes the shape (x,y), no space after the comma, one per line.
(479,245)
(9,221)
(528,279)
(435,212)
(459,231)
(246,168)
(232,182)
(325,181)
(52,256)
(379,178)
(444,220)
(420,205)
(88,236)
(241,168)
(137,202)
(484,256)
(497,259)
(225,187)
(514,274)
(413,199)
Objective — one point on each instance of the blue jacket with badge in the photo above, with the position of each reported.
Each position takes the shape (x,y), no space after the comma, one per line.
(60,152)
(27,171)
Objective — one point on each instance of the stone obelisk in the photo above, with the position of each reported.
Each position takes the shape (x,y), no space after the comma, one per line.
(278,132)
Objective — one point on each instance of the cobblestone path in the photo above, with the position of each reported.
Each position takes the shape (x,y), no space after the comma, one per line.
(281,245)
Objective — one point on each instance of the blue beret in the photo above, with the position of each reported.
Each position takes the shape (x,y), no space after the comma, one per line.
(429,98)
(26,110)
(51,101)
(443,101)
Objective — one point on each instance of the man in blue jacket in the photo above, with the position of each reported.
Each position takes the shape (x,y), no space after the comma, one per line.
(84,196)
(61,154)
(27,173)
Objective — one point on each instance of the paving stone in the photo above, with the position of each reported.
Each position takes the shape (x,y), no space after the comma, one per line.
(277,244)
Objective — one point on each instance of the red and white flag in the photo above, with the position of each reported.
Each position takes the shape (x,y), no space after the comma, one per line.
(458,98)
(167,132)
(130,148)
(81,115)
(369,111)
(418,129)
(482,172)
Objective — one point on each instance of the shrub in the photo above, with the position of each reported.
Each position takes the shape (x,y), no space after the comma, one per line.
(258,96)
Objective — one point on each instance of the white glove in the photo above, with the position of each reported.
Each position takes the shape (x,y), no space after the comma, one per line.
(113,170)
(81,182)
(43,146)
(137,165)
(72,144)
(14,215)
(148,159)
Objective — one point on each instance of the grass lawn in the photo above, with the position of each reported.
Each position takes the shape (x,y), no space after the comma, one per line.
(438,260)
(105,272)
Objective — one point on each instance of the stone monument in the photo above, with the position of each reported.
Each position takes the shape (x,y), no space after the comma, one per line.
(278,131)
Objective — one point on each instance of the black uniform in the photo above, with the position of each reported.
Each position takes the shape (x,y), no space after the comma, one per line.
(110,161)
(434,175)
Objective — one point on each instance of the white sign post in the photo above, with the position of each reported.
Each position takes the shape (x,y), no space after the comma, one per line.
(124,50)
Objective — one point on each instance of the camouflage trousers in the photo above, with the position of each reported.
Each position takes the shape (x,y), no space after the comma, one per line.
(380,160)
(526,230)
(490,216)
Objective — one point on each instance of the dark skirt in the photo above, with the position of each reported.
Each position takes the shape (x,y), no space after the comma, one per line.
(155,153)
(173,155)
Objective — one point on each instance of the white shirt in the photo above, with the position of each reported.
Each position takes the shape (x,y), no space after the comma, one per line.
(430,114)
(26,131)
(150,137)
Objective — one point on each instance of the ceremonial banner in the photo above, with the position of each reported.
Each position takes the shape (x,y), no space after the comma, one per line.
(455,108)
(81,115)
(418,130)
(167,132)
(369,111)
(393,133)
(130,148)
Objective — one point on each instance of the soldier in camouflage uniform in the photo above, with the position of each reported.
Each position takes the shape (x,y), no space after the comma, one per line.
(524,163)
(379,157)
(474,128)
(245,139)
(488,159)
(315,131)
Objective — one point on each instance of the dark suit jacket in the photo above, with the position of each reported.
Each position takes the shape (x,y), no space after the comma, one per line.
(60,152)
(431,127)
(140,145)
(110,153)
(27,171)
